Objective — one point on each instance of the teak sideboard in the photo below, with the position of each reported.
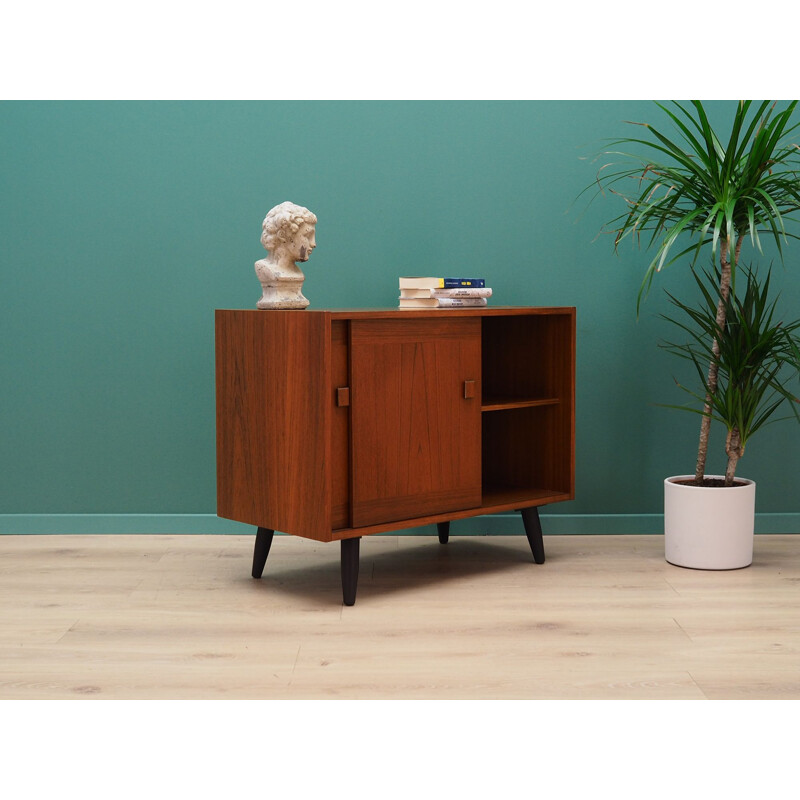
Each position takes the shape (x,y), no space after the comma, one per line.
(334,424)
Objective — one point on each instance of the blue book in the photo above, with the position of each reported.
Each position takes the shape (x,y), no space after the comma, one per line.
(416,282)
(459,283)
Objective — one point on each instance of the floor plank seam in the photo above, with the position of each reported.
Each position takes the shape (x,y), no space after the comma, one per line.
(297,655)
(699,687)
(682,630)
(68,630)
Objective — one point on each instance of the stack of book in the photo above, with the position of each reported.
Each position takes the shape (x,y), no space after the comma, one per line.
(418,292)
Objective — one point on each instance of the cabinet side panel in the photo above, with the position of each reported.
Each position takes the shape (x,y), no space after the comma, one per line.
(559,344)
(340,426)
(569,394)
(272,420)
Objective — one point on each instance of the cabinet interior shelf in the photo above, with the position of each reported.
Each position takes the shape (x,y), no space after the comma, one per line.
(504,496)
(504,403)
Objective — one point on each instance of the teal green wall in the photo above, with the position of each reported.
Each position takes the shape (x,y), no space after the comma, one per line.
(123,225)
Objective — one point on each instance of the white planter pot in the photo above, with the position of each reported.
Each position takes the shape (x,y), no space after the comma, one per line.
(709,528)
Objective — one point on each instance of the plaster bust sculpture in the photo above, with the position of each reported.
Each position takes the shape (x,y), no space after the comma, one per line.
(288,235)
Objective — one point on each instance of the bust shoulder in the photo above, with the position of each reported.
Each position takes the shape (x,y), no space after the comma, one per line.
(266,270)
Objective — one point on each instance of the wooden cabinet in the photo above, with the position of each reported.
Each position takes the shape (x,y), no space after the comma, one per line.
(336,424)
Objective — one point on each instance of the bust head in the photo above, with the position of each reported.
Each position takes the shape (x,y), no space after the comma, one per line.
(290,228)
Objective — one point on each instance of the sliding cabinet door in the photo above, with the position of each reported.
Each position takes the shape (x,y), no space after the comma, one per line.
(416,417)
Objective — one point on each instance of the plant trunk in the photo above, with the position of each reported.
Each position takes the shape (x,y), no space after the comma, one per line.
(734,449)
(713,368)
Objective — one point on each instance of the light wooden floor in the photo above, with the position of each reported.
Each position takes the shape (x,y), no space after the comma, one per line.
(117,617)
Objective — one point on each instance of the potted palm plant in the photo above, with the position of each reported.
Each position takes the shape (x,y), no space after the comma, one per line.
(755,354)
(716,192)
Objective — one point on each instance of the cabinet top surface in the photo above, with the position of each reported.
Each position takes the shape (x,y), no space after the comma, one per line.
(377,313)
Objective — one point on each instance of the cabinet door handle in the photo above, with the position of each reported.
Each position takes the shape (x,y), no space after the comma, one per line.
(343,396)
(469,390)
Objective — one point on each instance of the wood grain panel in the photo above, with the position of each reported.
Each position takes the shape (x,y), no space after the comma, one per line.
(449,313)
(416,439)
(288,443)
(340,425)
(273,420)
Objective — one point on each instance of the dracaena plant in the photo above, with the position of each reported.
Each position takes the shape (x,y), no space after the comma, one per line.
(696,190)
(755,357)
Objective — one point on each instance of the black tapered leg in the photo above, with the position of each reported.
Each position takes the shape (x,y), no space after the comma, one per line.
(444,532)
(533,530)
(350,549)
(261,551)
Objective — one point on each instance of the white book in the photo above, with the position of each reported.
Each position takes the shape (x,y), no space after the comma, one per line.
(420,282)
(442,302)
(410,294)
(465,292)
